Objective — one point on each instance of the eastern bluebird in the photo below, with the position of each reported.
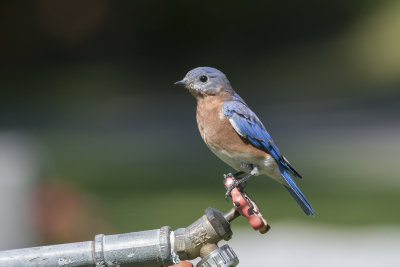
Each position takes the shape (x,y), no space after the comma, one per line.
(233,132)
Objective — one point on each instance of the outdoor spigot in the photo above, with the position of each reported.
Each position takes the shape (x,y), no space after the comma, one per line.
(201,238)
(157,247)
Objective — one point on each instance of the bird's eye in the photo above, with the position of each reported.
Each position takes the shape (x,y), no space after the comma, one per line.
(203,78)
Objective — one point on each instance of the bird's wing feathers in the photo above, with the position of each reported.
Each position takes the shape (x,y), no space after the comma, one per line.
(248,126)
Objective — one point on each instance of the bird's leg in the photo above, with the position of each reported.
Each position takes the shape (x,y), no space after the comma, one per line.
(241,180)
(238,174)
(234,176)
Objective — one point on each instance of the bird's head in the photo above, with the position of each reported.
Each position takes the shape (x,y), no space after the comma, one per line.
(204,81)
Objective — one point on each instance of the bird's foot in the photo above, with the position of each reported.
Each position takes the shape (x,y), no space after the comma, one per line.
(239,182)
(229,175)
(234,176)
(234,184)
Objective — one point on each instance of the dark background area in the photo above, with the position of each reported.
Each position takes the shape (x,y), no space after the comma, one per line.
(87,88)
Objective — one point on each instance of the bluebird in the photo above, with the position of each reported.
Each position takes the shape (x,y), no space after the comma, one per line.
(233,132)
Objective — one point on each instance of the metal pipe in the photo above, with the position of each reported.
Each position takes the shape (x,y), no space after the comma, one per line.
(159,247)
(73,254)
(231,215)
(146,248)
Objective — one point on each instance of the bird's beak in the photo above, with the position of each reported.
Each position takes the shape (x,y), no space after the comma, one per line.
(181,82)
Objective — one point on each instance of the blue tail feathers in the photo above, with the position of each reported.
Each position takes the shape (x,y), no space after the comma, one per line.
(296,193)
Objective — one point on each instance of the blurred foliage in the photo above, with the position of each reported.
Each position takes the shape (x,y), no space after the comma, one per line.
(142,185)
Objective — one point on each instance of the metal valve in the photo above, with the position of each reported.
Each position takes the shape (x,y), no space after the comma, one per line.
(158,247)
(221,257)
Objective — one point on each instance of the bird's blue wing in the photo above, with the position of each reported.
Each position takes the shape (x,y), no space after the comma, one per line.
(248,126)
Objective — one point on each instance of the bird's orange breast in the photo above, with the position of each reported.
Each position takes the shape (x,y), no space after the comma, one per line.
(216,130)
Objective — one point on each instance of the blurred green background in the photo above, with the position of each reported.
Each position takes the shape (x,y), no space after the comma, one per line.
(88,86)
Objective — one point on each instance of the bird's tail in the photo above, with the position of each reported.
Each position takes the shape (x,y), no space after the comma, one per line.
(296,193)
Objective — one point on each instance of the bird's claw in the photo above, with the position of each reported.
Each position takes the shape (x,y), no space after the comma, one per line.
(234,184)
(228,175)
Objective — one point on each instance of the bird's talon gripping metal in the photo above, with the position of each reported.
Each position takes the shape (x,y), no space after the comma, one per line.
(244,205)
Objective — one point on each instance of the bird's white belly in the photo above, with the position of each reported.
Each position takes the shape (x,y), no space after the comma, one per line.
(231,160)
(242,162)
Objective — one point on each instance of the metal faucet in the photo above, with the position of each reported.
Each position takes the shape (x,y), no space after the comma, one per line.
(158,247)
